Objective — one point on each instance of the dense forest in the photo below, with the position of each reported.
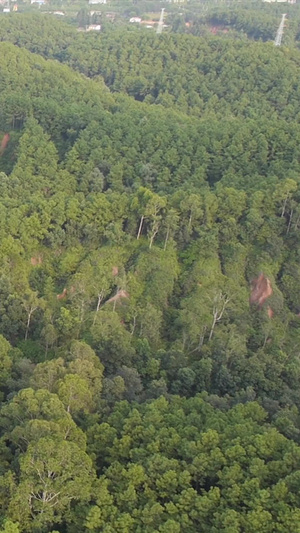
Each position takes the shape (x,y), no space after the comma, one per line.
(253,20)
(147,183)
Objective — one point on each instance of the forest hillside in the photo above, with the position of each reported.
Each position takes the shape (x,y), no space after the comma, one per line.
(149,282)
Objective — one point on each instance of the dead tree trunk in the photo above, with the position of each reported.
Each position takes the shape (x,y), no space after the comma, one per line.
(100,298)
(153,234)
(30,312)
(140,227)
(220,303)
(166,239)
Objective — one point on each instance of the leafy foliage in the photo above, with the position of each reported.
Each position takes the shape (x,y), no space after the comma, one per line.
(140,392)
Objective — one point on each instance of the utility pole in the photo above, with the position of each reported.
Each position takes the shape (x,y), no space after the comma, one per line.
(161,22)
(279,33)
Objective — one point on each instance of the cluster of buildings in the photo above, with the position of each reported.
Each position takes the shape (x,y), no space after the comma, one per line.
(147,23)
(281,1)
(7,7)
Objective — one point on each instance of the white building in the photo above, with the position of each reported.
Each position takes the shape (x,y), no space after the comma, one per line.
(94,27)
(280,1)
(97,2)
(135,19)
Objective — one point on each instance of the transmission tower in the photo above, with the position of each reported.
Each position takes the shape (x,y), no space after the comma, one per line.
(161,22)
(279,33)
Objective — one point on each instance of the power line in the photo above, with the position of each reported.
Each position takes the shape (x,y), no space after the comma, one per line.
(279,33)
(161,22)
